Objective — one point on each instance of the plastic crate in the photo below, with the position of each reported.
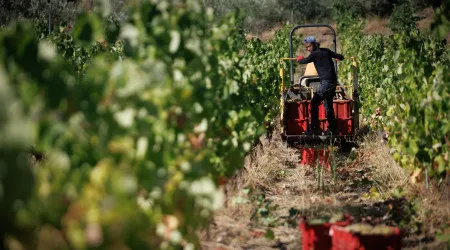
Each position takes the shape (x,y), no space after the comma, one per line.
(318,236)
(297,110)
(301,111)
(311,155)
(322,113)
(296,126)
(342,109)
(323,124)
(344,126)
(346,240)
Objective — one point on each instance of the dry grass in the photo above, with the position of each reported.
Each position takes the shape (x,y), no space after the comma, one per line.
(273,169)
(427,16)
(267,164)
(377,25)
(434,204)
(386,172)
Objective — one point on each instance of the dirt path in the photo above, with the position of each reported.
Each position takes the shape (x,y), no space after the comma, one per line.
(265,201)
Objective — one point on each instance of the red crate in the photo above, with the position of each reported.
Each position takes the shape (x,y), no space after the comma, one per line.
(309,156)
(345,240)
(296,126)
(322,113)
(303,109)
(323,124)
(342,112)
(342,109)
(318,236)
(297,110)
(343,126)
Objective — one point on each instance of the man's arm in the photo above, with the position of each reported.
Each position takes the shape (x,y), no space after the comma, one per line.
(305,60)
(336,55)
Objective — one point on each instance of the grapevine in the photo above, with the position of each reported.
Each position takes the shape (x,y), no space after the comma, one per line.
(405,76)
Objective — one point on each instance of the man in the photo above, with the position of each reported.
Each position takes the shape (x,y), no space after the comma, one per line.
(328,81)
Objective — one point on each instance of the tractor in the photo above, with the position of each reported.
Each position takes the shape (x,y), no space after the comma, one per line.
(295,102)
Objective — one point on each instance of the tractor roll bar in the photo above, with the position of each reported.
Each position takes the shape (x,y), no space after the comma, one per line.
(309,26)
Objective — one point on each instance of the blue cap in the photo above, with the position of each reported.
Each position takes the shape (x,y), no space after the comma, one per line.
(310,39)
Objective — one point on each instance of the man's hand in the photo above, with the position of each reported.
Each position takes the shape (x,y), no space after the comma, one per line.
(300,58)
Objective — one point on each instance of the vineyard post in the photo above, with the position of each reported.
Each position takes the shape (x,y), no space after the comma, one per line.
(281,92)
(355,94)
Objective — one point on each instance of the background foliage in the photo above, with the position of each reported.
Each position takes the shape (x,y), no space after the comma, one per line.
(62,11)
(262,15)
(406,77)
(137,119)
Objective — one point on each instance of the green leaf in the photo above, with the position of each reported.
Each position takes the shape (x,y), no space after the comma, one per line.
(88,28)
(270,235)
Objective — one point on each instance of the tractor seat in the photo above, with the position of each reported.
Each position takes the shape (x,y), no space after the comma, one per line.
(312,81)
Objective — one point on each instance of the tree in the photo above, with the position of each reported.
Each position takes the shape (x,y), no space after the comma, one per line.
(61,11)
(403,18)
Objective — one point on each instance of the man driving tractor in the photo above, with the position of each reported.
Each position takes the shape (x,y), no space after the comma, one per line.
(322,59)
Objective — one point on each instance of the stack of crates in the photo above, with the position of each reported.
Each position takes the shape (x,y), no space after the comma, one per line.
(298,115)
